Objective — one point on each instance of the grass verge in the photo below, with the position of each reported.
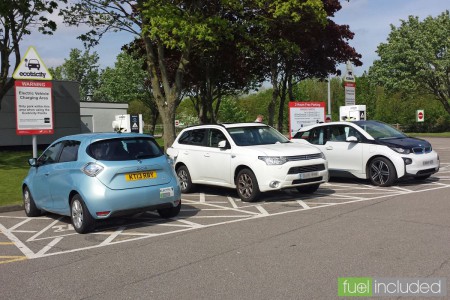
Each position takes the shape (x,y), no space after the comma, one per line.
(14,167)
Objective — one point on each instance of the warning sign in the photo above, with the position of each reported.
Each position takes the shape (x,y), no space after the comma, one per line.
(32,67)
(34,107)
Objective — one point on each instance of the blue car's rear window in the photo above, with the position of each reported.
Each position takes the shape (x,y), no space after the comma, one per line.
(124,149)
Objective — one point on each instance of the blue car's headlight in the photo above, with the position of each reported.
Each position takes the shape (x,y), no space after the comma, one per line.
(401,150)
(273,160)
(92,169)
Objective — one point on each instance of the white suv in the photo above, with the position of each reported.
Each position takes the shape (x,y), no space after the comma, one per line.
(251,157)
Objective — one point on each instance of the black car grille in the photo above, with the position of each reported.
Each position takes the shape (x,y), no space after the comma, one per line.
(421,150)
(304,157)
(298,181)
(306,169)
(427,171)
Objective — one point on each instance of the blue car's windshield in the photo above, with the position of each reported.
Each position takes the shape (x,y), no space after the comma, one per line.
(380,130)
(256,135)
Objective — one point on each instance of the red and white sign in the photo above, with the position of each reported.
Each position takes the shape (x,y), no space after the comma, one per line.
(420,115)
(350,93)
(34,107)
(305,113)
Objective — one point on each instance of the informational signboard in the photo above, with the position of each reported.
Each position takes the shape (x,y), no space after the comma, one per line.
(350,86)
(305,113)
(34,107)
(420,115)
(134,123)
(32,67)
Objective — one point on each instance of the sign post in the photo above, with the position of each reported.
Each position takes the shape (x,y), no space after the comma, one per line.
(350,86)
(33,92)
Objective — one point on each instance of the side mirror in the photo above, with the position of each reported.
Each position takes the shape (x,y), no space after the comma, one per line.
(33,162)
(173,153)
(352,139)
(222,144)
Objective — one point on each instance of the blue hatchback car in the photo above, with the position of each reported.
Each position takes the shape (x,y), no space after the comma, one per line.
(101,175)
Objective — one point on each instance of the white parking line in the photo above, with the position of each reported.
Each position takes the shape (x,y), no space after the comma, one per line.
(44,230)
(262,210)
(19,224)
(48,247)
(109,239)
(303,204)
(233,203)
(202,197)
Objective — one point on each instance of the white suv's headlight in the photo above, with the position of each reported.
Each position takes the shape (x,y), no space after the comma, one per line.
(273,160)
(401,150)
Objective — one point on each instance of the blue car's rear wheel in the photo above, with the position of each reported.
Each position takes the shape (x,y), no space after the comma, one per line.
(170,212)
(82,220)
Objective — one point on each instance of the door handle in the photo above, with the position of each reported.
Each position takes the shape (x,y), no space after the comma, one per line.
(207,155)
(329,147)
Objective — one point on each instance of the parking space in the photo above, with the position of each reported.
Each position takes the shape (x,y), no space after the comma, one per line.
(24,238)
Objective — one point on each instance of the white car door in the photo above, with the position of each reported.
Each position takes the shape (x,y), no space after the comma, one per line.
(216,162)
(342,156)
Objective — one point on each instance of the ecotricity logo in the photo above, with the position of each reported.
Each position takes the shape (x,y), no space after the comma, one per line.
(411,287)
(32,67)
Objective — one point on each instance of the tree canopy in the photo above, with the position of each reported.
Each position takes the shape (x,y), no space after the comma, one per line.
(416,58)
(83,68)
(17,19)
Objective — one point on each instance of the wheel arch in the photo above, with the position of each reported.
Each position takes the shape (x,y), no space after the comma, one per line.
(238,169)
(397,163)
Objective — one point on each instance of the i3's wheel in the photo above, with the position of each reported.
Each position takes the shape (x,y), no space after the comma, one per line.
(82,220)
(308,189)
(184,177)
(170,212)
(382,172)
(28,204)
(247,186)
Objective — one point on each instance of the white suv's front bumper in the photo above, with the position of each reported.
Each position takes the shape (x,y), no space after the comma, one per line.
(291,174)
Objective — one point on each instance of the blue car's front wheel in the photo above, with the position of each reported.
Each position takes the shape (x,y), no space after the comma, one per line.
(28,203)
(82,220)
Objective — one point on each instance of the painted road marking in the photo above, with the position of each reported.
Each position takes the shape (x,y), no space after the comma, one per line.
(224,212)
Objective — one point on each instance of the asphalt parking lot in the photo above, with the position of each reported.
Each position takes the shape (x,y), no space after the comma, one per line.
(51,238)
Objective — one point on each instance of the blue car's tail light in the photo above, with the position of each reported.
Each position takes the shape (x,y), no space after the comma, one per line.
(92,169)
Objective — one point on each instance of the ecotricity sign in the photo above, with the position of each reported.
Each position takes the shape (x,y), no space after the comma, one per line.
(32,67)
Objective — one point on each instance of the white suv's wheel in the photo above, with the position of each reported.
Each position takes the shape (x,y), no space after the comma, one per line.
(184,177)
(247,186)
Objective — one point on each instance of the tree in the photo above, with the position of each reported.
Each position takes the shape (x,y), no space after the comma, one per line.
(316,49)
(416,58)
(80,67)
(17,18)
(166,27)
(128,81)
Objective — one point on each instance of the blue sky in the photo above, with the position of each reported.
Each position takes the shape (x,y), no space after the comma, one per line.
(369,19)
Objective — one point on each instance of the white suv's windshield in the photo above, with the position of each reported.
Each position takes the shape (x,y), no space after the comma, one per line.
(256,135)
(379,130)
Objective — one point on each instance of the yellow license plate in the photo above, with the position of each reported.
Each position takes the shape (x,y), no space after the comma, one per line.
(140,175)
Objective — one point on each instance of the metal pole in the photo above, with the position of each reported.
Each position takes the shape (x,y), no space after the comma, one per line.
(329,94)
(34,146)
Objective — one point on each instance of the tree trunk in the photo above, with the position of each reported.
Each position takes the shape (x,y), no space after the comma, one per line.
(167,93)
(275,92)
